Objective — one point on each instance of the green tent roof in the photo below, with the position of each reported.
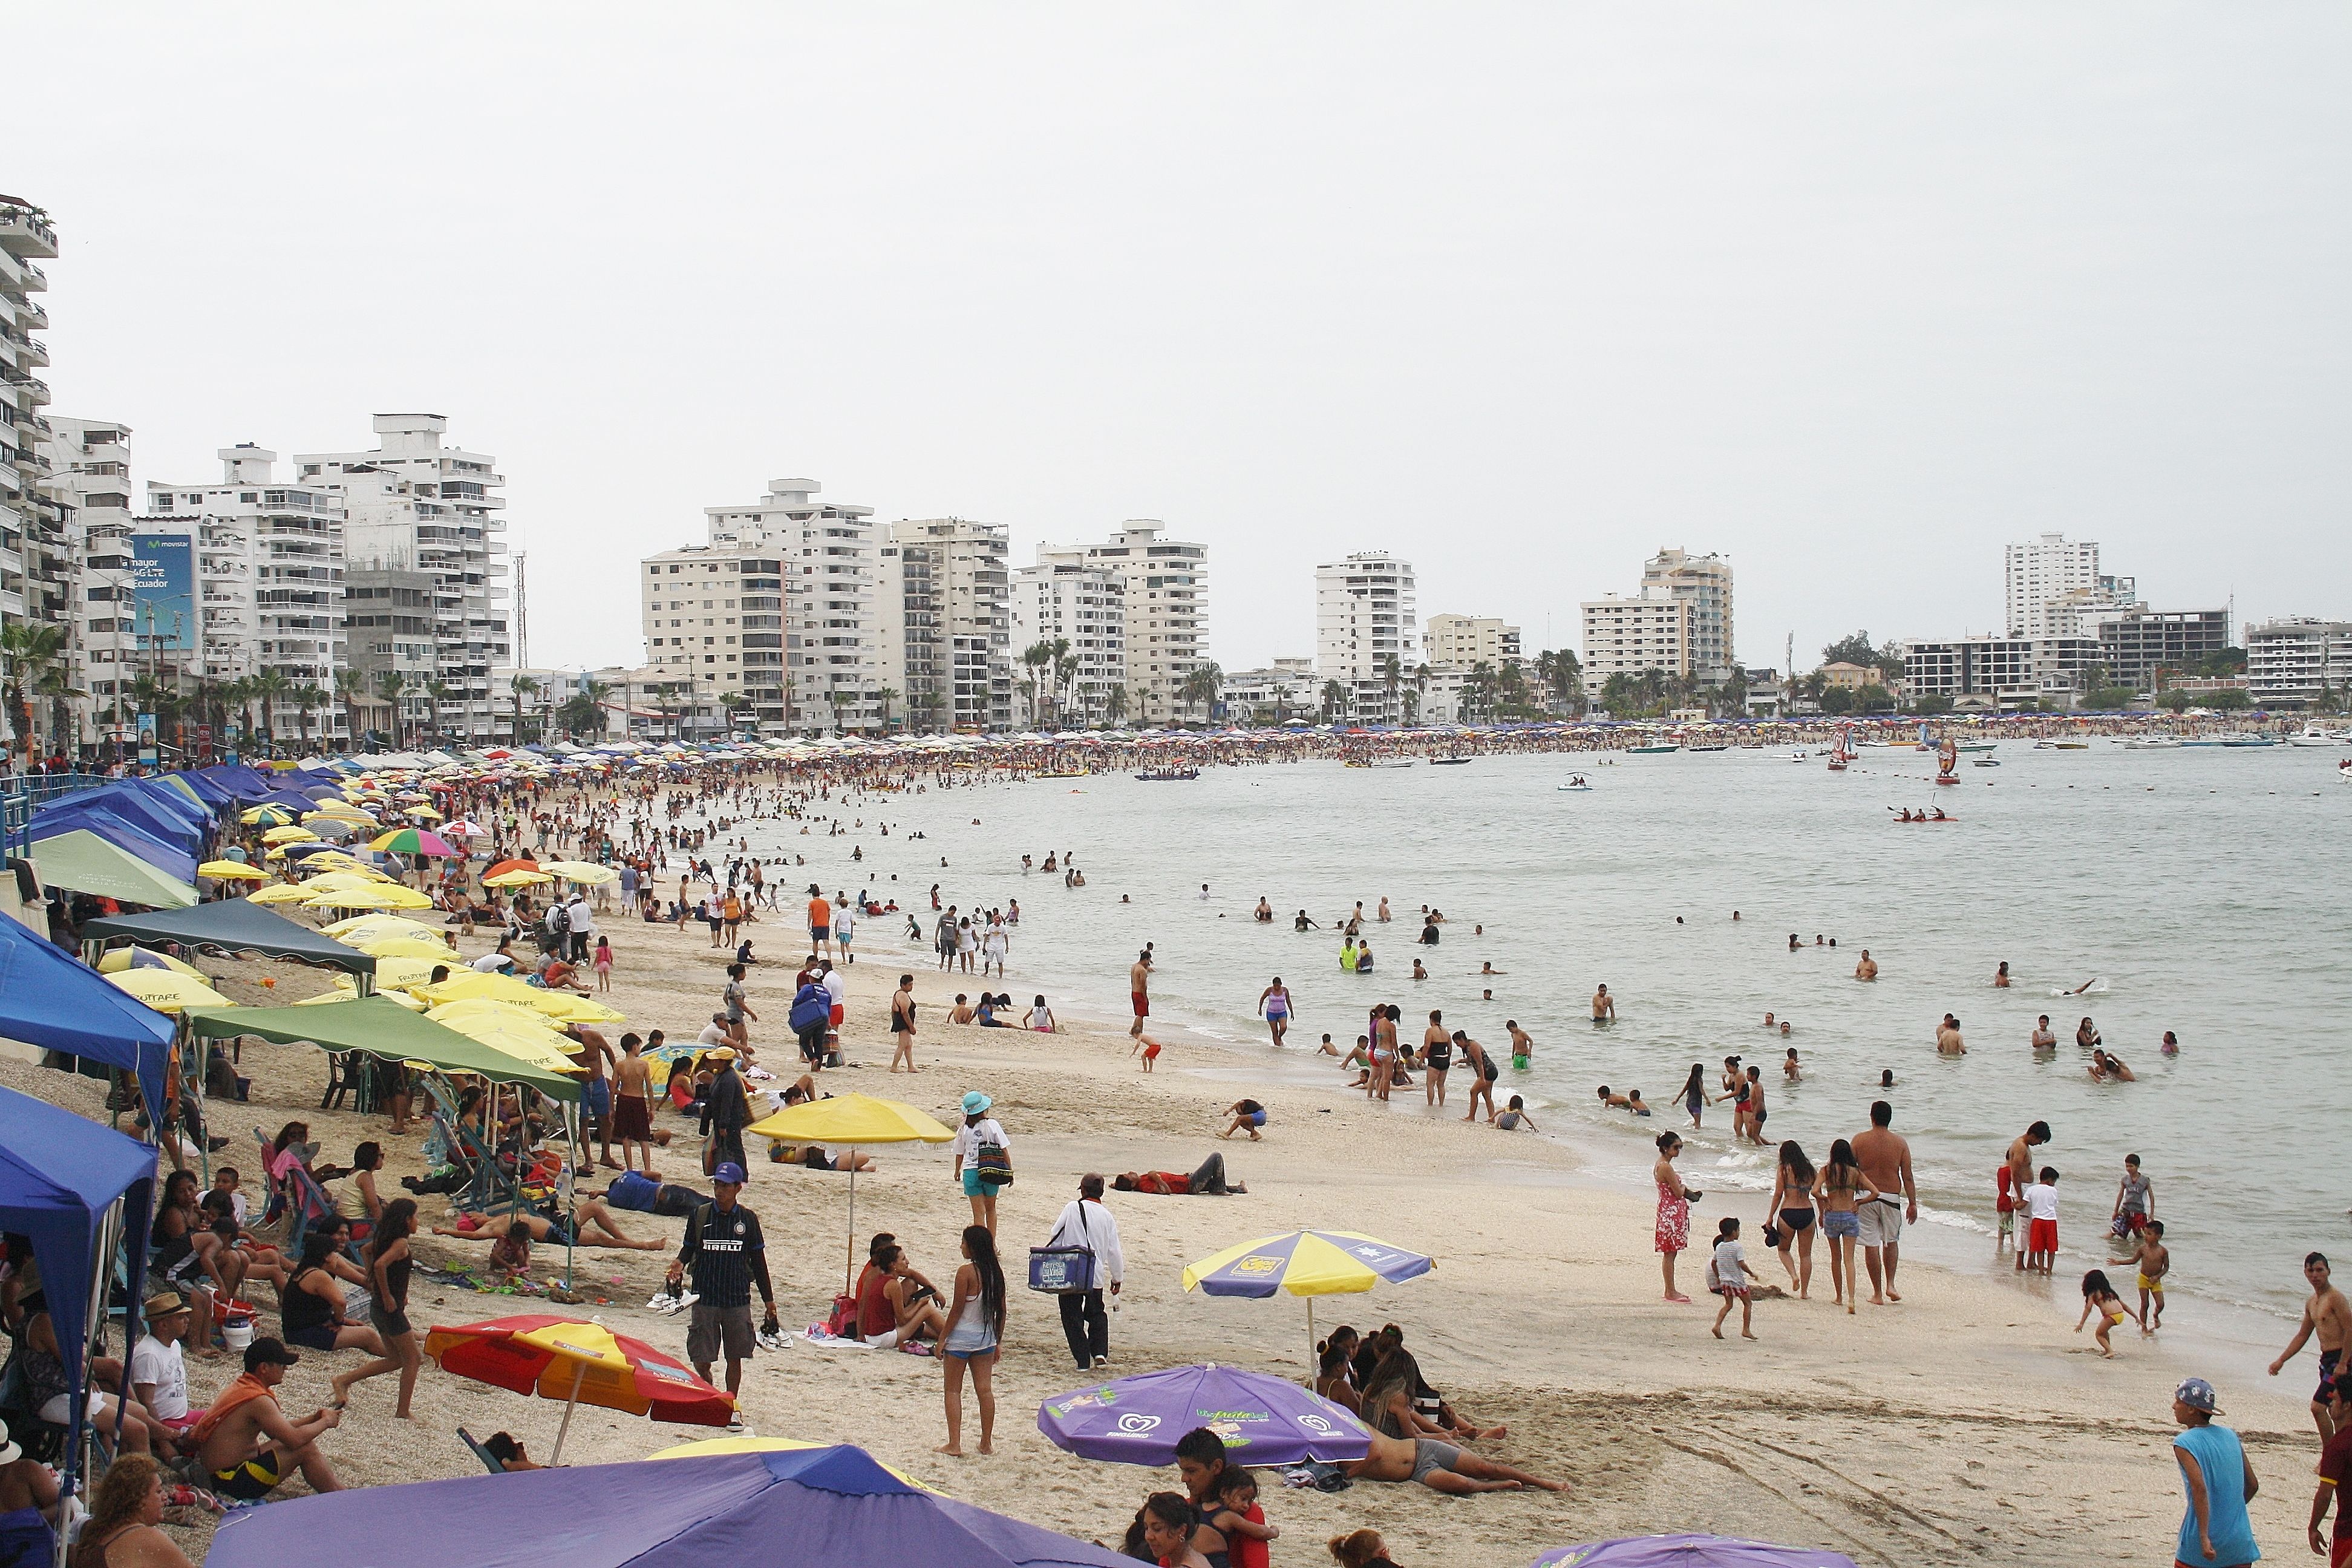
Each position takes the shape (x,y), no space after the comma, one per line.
(381,1028)
(81,862)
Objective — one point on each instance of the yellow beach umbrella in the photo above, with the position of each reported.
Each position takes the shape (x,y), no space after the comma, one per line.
(561,1004)
(851,1120)
(453,1012)
(266,816)
(115,960)
(283,894)
(383,896)
(232,871)
(1308,1263)
(354,929)
(345,990)
(584,871)
(166,990)
(516,879)
(418,947)
(289,836)
(530,1043)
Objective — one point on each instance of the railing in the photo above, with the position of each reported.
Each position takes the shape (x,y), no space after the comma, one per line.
(21,795)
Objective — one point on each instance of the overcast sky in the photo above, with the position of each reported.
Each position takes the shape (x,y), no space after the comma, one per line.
(1853,294)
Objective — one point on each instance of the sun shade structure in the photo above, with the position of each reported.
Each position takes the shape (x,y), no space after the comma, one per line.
(165,990)
(232,871)
(1689,1551)
(234,925)
(49,1000)
(1308,1263)
(168,856)
(81,862)
(579,1363)
(1263,1420)
(749,1444)
(851,1120)
(817,1507)
(412,841)
(381,1028)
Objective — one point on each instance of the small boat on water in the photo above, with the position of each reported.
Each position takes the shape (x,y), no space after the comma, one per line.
(1449,761)
(1170,775)
(2061,745)
(2153,744)
(1576,782)
(1070,774)
(1721,748)
(1983,763)
(1649,751)
(2315,735)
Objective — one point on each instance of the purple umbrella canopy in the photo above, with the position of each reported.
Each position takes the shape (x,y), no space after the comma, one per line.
(1265,1420)
(1689,1551)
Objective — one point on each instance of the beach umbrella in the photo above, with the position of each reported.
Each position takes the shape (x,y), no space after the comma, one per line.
(289,836)
(584,871)
(330,831)
(500,867)
(425,812)
(463,827)
(345,990)
(167,990)
(412,841)
(356,929)
(1263,1420)
(383,896)
(267,817)
(1308,1263)
(534,1042)
(452,1013)
(283,894)
(468,983)
(232,871)
(851,1120)
(749,1444)
(409,946)
(116,960)
(517,878)
(1689,1551)
(561,1358)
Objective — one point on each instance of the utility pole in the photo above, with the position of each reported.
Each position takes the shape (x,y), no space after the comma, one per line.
(522,612)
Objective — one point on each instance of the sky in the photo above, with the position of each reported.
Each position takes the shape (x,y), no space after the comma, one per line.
(1852,294)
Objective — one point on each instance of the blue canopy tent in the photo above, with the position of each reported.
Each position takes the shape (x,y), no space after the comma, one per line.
(168,856)
(146,815)
(209,790)
(79,1192)
(814,1508)
(58,1002)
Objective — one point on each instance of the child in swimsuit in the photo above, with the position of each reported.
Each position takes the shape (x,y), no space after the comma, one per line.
(2099,1297)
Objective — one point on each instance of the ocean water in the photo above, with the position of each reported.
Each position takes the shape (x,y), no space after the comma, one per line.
(2209,892)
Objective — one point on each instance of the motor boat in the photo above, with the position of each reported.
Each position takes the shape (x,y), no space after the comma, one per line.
(2313,735)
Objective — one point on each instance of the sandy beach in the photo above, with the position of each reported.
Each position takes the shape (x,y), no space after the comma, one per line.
(1968,1423)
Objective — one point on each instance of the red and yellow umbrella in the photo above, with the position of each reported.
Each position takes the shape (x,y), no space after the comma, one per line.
(563,1358)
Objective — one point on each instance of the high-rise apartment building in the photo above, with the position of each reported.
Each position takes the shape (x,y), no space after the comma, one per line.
(2042,572)
(1470,641)
(268,586)
(33,567)
(2294,661)
(773,621)
(414,505)
(1067,598)
(1679,624)
(946,623)
(89,470)
(1366,631)
(1166,600)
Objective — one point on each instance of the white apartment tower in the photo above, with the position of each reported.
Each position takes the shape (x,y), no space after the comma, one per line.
(1469,641)
(414,505)
(1166,596)
(268,584)
(1066,597)
(946,623)
(2039,573)
(31,520)
(1679,624)
(1364,622)
(773,619)
(89,466)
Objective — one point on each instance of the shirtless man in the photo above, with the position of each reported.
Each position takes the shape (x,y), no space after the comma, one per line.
(2044,1038)
(1139,985)
(249,1446)
(1483,1074)
(1868,968)
(1605,1005)
(596,1090)
(1523,1044)
(2329,1316)
(1948,1038)
(633,1106)
(1885,1161)
(2014,1176)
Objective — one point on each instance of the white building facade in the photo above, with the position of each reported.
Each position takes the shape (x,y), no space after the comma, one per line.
(1166,603)
(1680,623)
(1470,641)
(1067,598)
(33,525)
(2041,573)
(89,469)
(1366,631)
(947,610)
(413,504)
(2292,661)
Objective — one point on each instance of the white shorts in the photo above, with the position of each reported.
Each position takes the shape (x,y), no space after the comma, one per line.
(54,1412)
(882,1342)
(1881,1223)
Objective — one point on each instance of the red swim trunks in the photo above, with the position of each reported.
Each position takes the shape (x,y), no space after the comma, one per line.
(2042,1236)
(1143,1004)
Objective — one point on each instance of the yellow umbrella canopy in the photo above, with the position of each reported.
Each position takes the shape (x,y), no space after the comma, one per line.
(345,990)
(560,1005)
(384,896)
(405,946)
(587,871)
(167,990)
(516,879)
(116,960)
(361,928)
(344,811)
(514,1012)
(283,894)
(340,881)
(851,1120)
(337,862)
(232,871)
(532,1043)
(425,812)
(289,836)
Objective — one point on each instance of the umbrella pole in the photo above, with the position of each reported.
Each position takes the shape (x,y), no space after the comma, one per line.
(849,1274)
(579,1375)
(1311,1366)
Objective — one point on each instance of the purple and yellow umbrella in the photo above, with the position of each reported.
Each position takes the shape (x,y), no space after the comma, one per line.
(1308,1263)
(1263,1420)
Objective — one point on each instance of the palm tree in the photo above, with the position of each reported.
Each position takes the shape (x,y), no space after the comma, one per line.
(236,696)
(1481,688)
(596,691)
(1419,686)
(1027,686)
(1412,706)
(437,692)
(36,659)
(522,686)
(887,695)
(1392,674)
(388,685)
(1203,686)
(1065,672)
(270,687)
(840,700)
(350,686)
(1038,655)
(1115,702)
(307,697)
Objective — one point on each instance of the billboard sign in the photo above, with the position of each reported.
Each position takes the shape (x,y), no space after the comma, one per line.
(162,592)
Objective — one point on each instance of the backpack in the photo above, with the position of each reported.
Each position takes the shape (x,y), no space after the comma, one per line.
(559,921)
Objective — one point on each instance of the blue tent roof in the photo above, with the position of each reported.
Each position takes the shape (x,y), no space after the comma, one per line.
(211,790)
(814,1508)
(58,1002)
(240,781)
(58,1175)
(166,856)
(165,798)
(146,814)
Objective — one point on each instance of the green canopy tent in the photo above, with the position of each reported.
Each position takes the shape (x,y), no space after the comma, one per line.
(381,1028)
(81,862)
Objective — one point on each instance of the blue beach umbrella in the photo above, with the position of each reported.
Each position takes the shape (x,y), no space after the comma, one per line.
(1308,1263)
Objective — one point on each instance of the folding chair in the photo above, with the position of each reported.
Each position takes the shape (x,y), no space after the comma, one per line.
(490,1460)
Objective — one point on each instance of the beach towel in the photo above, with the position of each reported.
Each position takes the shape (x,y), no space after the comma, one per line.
(244,1390)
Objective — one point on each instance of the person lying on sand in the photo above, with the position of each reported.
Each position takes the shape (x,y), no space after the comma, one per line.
(1209,1181)
(597,1228)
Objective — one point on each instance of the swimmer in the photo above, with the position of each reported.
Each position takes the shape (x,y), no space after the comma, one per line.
(1605,1005)
(1418,972)
(1523,1044)
(1488,968)
(1886,1077)
(1610,1101)
(1789,1070)
(2044,1038)
(1328,1048)
(2171,1046)
(1768,1021)
(1868,968)
(2000,976)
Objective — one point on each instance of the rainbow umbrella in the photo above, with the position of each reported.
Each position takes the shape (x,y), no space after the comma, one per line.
(412,841)
(1308,1263)
(563,1358)
(267,817)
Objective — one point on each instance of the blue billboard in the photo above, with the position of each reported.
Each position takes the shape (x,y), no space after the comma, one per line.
(162,592)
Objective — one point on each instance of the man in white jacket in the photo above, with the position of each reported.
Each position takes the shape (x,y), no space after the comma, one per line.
(1086,1322)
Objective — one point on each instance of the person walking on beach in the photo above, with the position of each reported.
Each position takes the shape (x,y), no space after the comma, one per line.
(902,1024)
(2219,1480)
(981,1142)
(1674,1211)
(1087,1223)
(1138,987)
(1886,1159)
(820,922)
(2329,1316)
(729,1254)
(1483,1074)
(1728,1272)
(1791,1208)
(2009,1183)
(2335,1479)
(1695,1095)
(1841,1192)
(976,1329)
(1274,1003)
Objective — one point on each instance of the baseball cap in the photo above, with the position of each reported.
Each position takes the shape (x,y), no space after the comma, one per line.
(261,1353)
(974,1102)
(729,1173)
(2198,1395)
(162,1304)
(721,1054)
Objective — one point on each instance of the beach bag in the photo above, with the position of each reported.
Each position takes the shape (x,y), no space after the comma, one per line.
(994,1164)
(1064,1271)
(843,1322)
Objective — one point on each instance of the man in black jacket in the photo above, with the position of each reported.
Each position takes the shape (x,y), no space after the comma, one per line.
(726,1112)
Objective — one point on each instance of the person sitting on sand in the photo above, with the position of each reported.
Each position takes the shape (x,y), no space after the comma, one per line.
(1246,1114)
(597,1228)
(246,1444)
(895,1305)
(814,1157)
(1335,1378)
(1438,1465)
(963,1012)
(1209,1181)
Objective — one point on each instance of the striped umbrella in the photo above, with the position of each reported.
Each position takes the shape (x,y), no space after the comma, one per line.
(1308,1263)
(412,841)
(561,1358)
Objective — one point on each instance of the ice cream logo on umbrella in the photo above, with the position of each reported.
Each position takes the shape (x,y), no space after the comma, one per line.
(1316,1423)
(1136,1423)
(1257,1263)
